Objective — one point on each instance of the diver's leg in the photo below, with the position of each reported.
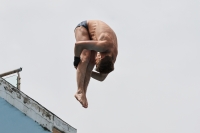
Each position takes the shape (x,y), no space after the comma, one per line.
(81,34)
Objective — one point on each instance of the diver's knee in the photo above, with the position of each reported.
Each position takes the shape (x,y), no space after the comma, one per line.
(85,56)
(85,59)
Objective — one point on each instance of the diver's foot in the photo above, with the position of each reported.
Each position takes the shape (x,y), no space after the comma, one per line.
(81,97)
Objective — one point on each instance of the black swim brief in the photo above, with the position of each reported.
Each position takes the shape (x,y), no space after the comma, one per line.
(83,23)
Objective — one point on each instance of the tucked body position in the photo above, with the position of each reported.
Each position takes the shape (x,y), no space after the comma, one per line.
(96,45)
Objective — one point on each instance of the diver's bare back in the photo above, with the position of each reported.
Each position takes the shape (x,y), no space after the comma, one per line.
(99,30)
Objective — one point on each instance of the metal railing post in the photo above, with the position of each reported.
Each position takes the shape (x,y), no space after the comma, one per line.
(18,81)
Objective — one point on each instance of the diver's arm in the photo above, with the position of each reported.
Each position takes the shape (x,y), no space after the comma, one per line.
(98,76)
(99,46)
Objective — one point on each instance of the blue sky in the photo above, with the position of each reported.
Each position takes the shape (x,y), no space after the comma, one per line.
(155,85)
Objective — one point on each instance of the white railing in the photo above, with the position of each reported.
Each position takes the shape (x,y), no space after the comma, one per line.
(13,72)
